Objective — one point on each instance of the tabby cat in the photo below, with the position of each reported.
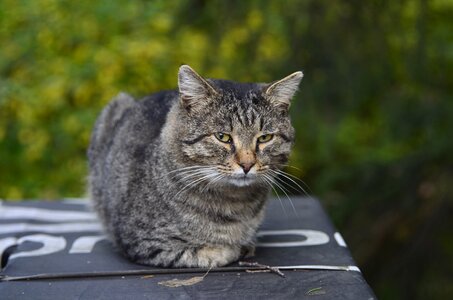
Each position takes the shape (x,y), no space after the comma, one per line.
(181,178)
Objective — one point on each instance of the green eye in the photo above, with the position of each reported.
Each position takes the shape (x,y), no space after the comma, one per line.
(265,138)
(223,137)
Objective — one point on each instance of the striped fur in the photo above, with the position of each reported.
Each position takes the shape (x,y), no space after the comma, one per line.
(171,194)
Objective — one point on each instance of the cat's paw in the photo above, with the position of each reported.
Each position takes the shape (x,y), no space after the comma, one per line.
(217,256)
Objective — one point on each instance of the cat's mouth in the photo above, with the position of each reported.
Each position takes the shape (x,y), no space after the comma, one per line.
(242,180)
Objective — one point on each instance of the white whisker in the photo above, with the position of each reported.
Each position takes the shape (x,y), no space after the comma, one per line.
(188,168)
(296,178)
(184,170)
(284,190)
(216,179)
(289,166)
(191,173)
(196,182)
(284,174)
(269,181)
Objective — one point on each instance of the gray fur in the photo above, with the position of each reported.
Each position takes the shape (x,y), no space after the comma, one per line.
(168,192)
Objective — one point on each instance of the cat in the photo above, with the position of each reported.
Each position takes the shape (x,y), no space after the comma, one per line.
(181,178)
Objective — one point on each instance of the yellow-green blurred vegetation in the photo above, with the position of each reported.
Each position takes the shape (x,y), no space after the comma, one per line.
(374,116)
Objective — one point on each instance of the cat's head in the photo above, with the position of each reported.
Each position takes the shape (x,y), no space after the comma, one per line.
(232,133)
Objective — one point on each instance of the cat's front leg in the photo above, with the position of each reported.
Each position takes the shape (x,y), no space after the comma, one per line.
(204,257)
(210,256)
(217,256)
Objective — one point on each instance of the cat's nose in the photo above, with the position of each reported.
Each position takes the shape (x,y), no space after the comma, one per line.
(246,167)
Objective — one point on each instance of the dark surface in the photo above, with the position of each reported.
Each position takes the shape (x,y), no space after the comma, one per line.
(296,285)
(230,283)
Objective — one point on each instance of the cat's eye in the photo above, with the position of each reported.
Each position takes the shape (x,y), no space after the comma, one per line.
(265,138)
(223,137)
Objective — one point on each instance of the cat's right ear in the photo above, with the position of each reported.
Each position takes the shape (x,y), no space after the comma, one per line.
(282,91)
(194,91)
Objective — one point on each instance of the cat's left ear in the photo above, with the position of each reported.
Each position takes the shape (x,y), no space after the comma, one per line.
(282,91)
(195,92)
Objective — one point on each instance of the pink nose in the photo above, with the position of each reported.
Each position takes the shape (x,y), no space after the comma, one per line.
(246,167)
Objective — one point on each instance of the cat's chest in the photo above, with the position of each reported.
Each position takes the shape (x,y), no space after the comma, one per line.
(228,229)
(231,233)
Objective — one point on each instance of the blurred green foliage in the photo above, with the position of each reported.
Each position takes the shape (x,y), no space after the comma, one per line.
(374,116)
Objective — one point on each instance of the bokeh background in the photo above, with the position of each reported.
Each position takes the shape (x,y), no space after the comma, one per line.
(374,115)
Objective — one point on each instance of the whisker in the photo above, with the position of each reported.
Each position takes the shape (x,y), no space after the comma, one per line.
(286,175)
(295,177)
(188,168)
(284,190)
(207,176)
(183,171)
(195,183)
(186,177)
(190,173)
(216,179)
(293,185)
(289,166)
(268,181)
(277,177)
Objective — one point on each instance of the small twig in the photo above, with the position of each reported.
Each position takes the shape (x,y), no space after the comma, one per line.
(207,272)
(265,267)
(277,271)
(258,271)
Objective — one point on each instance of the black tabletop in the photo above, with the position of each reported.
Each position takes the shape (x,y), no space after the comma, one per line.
(56,250)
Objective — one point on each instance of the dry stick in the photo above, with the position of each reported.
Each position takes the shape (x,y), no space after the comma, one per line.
(258,265)
(242,267)
(84,275)
(258,271)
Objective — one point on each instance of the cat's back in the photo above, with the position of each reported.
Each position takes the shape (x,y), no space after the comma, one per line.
(154,109)
(124,135)
(125,118)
